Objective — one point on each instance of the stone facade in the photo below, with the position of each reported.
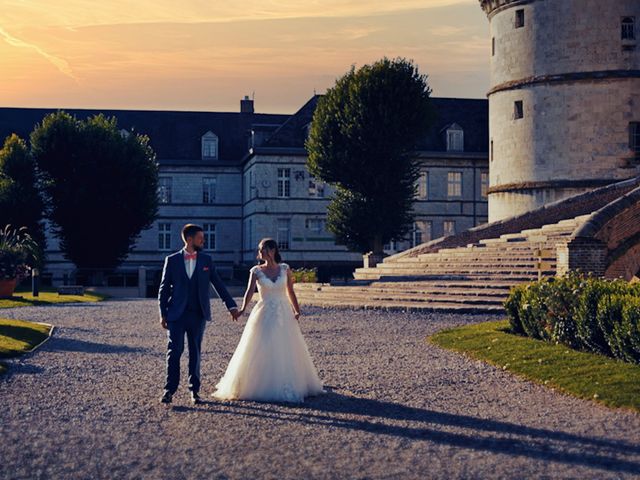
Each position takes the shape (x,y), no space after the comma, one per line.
(564,95)
(267,209)
(256,185)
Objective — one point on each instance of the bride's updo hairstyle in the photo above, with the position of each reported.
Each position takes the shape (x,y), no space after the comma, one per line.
(271,244)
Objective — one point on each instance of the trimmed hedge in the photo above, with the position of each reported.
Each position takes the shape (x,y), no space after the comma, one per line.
(582,312)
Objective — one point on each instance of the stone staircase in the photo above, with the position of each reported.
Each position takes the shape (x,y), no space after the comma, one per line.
(475,278)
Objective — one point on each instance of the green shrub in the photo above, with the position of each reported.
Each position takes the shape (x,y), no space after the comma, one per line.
(627,331)
(533,311)
(305,275)
(512,306)
(609,314)
(590,335)
(563,297)
(582,312)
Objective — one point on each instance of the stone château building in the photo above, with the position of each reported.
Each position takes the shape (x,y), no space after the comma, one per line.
(242,176)
(564,99)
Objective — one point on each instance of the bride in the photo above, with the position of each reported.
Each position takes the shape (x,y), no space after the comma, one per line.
(271,362)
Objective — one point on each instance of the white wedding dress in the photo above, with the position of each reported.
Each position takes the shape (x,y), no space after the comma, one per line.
(271,362)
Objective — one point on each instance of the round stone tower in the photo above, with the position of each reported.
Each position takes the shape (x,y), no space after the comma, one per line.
(564,101)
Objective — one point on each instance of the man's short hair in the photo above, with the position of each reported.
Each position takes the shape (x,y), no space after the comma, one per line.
(190,230)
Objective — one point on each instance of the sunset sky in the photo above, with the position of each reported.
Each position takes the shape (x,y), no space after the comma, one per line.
(206,55)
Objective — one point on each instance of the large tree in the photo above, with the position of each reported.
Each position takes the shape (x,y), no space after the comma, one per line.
(362,139)
(100,186)
(20,202)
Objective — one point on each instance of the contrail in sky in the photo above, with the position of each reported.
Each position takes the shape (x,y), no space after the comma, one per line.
(59,63)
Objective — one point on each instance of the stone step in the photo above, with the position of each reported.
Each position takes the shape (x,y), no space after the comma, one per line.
(500,240)
(469,259)
(473,278)
(443,269)
(472,258)
(445,283)
(443,307)
(523,248)
(476,302)
(375,275)
(455,269)
(406,290)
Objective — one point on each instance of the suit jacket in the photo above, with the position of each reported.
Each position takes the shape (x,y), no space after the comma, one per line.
(173,292)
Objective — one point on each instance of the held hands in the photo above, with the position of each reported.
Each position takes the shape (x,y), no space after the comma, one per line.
(235,314)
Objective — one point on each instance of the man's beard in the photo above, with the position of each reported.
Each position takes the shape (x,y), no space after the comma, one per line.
(197,248)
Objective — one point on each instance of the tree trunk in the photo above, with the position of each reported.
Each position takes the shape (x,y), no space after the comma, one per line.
(377,247)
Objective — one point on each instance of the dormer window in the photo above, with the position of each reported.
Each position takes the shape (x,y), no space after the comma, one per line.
(209,146)
(455,138)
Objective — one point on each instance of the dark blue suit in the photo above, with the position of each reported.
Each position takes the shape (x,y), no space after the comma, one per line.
(184,302)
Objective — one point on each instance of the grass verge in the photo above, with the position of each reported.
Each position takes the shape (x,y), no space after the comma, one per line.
(585,375)
(26,299)
(18,337)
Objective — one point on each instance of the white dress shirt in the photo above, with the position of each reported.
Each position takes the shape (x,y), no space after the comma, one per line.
(189,265)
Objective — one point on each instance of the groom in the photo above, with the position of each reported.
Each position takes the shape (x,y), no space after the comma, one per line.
(185,307)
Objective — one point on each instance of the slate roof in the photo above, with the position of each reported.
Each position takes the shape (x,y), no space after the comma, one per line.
(292,134)
(470,114)
(175,136)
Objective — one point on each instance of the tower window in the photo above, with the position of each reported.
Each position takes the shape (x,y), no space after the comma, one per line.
(518,109)
(628,28)
(634,137)
(520,18)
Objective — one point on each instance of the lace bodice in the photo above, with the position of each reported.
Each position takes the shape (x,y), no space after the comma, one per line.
(271,288)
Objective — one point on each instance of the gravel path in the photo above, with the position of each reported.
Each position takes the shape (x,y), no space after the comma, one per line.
(86,406)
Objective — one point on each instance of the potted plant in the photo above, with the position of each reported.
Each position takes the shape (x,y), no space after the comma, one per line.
(18,252)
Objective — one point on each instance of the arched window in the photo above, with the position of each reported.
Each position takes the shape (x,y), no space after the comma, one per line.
(628,28)
(209,146)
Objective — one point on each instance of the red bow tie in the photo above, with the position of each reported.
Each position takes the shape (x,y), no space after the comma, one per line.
(190,256)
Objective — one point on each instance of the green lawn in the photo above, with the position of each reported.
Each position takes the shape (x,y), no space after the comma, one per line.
(25,299)
(18,336)
(585,375)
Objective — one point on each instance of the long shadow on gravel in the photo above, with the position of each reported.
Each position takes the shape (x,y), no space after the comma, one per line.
(507,438)
(22,369)
(73,345)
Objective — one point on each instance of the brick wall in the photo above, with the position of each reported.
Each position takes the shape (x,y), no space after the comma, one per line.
(616,228)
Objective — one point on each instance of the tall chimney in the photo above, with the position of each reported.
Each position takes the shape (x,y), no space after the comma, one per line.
(246,105)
